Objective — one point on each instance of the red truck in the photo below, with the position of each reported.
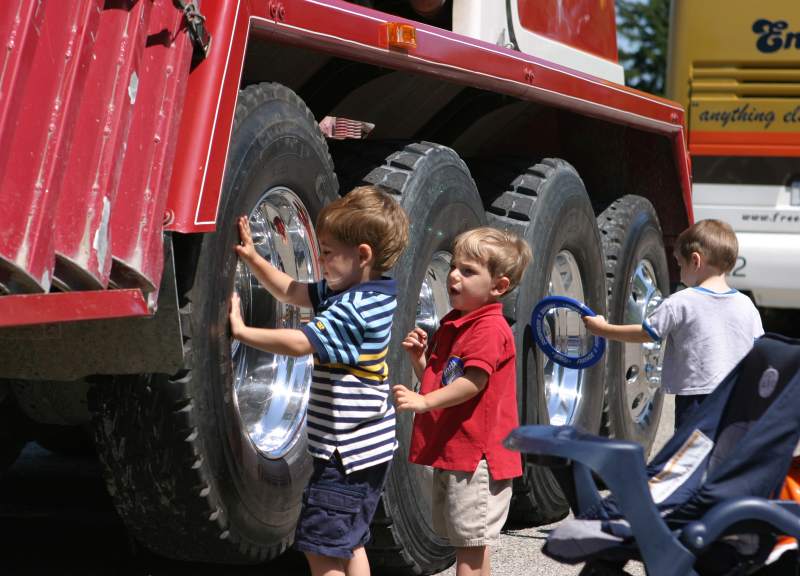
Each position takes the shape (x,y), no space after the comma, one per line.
(133,134)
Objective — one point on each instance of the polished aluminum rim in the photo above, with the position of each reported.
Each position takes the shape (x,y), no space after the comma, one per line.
(432,306)
(642,362)
(271,391)
(564,386)
(434,302)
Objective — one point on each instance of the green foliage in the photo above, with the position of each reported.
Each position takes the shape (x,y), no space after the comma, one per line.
(643,28)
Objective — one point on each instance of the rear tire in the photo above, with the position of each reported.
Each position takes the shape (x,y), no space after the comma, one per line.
(638,277)
(436,190)
(180,462)
(548,206)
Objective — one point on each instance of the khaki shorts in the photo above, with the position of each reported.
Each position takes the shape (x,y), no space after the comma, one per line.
(469,508)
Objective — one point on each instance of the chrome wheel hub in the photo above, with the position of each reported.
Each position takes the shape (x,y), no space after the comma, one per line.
(642,362)
(563,386)
(432,306)
(271,391)
(434,302)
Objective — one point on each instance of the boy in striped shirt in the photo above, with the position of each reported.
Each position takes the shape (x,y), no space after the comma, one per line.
(351,420)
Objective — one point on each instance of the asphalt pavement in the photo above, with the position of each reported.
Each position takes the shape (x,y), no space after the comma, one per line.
(518,552)
(56,519)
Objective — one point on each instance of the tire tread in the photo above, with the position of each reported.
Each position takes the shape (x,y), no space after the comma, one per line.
(396,166)
(613,223)
(513,209)
(161,415)
(394,175)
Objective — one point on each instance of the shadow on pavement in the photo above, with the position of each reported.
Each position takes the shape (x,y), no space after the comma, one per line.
(57,519)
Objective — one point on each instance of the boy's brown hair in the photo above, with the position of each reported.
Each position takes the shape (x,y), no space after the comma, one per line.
(714,239)
(503,253)
(367,215)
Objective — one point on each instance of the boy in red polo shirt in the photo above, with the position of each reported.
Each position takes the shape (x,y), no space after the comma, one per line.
(467,402)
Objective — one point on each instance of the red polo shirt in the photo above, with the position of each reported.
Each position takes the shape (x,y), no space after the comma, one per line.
(456,438)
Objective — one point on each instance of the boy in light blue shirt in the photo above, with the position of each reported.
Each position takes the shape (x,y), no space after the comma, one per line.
(707,328)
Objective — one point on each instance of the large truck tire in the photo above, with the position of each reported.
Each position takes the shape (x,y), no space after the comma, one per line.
(638,278)
(547,205)
(436,190)
(209,464)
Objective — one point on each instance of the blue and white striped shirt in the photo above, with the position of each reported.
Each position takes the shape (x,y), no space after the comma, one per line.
(349,408)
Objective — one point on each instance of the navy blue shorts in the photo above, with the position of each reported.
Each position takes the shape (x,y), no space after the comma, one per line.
(685,405)
(338,508)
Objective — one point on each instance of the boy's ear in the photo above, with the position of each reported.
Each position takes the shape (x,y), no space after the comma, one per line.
(365,255)
(500,286)
(696,259)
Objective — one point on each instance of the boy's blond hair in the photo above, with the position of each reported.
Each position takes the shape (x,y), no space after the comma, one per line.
(714,239)
(367,215)
(503,253)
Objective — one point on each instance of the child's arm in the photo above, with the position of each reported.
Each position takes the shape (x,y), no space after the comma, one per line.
(457,392)
(598,326)
(287,342)
(278,283)
(415,343)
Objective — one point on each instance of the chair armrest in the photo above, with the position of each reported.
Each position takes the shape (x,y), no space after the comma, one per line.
(619,463)
(784,516)
(621,466)
(570,443)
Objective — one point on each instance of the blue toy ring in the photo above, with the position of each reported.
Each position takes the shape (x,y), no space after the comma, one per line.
(538,328)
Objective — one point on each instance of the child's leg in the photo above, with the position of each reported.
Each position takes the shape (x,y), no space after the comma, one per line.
(685,405)
(325,565)
(358,565)
(334,522)
(470,513)
(473,561)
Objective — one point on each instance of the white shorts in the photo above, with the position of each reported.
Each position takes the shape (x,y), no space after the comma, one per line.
(469,508)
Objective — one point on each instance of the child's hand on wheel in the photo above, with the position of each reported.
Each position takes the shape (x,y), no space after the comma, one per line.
(246,250)
(235,316)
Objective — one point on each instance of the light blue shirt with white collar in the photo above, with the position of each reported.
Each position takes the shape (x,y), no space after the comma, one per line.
(706,334)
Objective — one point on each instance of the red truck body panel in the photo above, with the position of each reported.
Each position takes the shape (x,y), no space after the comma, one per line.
(29,309)
(84,164)
(207,120)
(357,33)
(99,147)
(585,24)
(98,166)
(137,232)
(45,70)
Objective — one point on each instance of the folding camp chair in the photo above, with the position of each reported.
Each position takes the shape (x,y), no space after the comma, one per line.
(702,504)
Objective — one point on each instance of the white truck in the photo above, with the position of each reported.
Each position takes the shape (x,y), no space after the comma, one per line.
(734,66)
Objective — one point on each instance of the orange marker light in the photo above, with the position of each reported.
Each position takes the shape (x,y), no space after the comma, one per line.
(401,35)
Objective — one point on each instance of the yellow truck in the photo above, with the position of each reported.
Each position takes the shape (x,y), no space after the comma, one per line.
(735,66)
